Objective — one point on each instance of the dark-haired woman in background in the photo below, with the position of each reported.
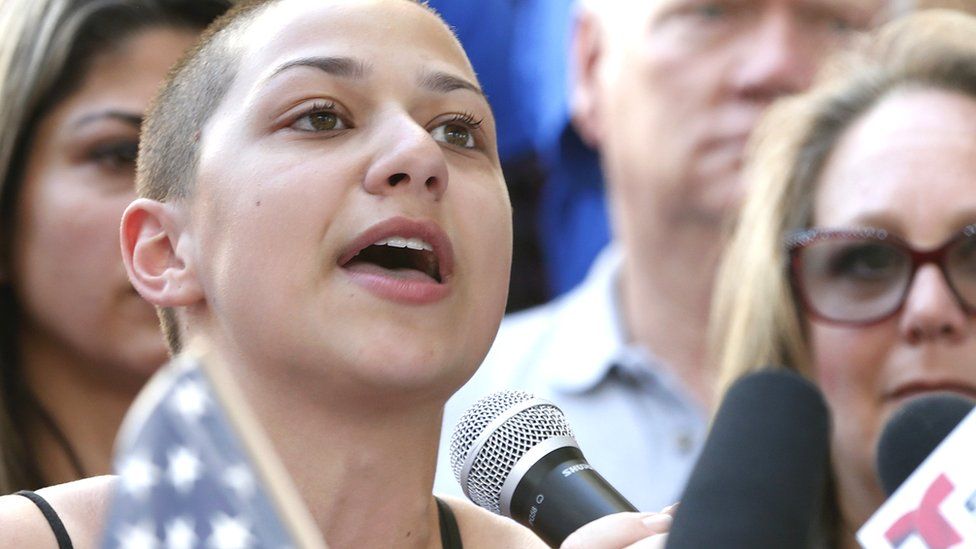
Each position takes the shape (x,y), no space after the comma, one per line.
(76,342)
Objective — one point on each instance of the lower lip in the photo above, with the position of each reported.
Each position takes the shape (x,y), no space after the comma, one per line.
(903,396)
(411,290)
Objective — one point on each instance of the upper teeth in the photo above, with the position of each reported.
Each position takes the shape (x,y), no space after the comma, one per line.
(401,242)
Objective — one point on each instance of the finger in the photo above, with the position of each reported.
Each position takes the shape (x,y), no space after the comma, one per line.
(659,523)
(656,541)
(617,530)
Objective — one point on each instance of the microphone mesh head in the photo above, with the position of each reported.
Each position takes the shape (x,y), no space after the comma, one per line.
(505,446)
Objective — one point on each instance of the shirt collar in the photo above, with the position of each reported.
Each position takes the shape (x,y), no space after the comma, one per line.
(588,336)
(588,344)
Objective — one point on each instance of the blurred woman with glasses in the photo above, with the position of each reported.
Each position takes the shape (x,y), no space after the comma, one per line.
(854,261)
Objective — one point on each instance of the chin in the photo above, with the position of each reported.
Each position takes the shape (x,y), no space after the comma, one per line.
(142,357)
(405,365)
(413,369)
(721,197)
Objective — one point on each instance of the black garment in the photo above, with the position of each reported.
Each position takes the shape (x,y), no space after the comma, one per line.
(450,535)
(60,533)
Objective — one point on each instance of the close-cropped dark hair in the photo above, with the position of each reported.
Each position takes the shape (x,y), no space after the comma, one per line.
(46,50)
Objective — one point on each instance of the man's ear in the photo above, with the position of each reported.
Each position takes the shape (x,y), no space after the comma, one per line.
(159,268)
(586,55)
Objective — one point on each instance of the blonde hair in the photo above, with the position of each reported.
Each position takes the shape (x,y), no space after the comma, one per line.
(968,6)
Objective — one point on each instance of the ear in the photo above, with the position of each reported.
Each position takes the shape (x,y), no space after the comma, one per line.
(586,56)
(159,267)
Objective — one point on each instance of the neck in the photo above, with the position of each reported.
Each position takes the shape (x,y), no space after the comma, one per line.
(666,290)
(858,494)
(364,470)
(86,407)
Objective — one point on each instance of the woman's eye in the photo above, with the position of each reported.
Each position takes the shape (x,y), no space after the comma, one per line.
(116,156)
(320,121)
(841,25)
(455,134)
(711,11)
(866,262)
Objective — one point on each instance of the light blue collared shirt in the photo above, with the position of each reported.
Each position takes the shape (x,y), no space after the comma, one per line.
(635,423)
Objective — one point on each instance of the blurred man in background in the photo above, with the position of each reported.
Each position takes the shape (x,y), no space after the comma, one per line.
(667,92)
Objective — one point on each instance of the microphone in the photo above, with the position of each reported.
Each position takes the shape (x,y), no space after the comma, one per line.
(912,434)
(925,464)
(515,455)
(762,475)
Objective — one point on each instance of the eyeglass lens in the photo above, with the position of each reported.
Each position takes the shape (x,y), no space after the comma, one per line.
(859,280)
(961,265)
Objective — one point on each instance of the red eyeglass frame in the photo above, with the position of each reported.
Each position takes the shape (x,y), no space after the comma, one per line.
(797,240)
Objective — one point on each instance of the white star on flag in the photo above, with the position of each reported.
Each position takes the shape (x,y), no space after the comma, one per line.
(228,533)
(239,479)
(139,536)
(179,534)
(190,401)
(184,469)
(138,476)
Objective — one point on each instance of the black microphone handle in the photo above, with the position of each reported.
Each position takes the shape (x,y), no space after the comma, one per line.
(560,493)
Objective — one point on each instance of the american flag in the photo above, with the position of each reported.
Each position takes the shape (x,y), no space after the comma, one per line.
(195,471)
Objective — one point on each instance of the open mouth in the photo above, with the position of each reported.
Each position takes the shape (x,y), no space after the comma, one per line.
(400,257)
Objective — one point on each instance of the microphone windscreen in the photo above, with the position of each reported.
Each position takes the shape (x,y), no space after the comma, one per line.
(493,435)
(515,455)
(762,475)
(913,432)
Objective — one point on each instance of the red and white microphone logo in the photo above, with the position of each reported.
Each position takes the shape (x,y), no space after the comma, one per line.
(936,507)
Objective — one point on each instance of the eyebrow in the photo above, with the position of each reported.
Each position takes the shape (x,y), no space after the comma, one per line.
(348,67)
(121,116)
(344,67)
(442,82)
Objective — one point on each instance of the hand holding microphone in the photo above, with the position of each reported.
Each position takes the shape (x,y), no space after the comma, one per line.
(766,457)
(762,476)
(624,530)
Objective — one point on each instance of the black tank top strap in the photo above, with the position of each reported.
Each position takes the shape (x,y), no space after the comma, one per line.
(450,534)
(60,533)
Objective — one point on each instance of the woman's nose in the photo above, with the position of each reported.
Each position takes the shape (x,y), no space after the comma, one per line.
(410,160)
(932,310)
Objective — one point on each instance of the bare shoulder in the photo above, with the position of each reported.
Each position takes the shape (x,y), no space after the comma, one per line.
(81,505)
(482,529)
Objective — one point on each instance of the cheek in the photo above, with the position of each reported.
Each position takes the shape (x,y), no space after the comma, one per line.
(68,238)
(484,223)
(69,276)
(656,119)
(490,240)
(849,360)
(850,368)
